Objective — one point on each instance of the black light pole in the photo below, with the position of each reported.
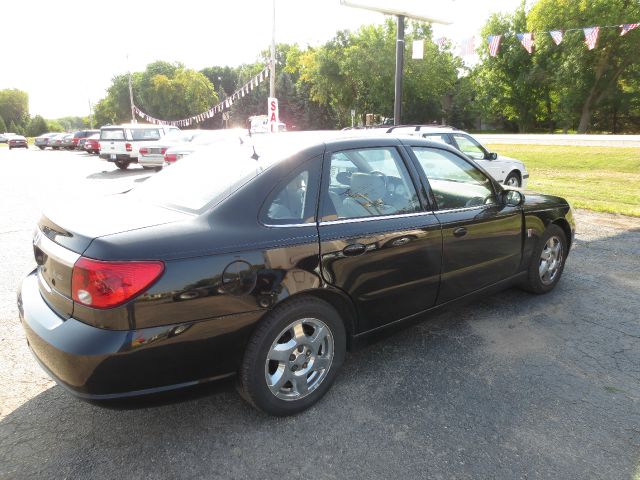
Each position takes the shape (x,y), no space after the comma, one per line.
(397,103)
(401,10)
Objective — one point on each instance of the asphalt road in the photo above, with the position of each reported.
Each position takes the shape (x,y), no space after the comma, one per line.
(513,386)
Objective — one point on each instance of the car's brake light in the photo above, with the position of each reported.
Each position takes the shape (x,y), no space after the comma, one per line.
(144,150)
(170,157)
(128,147)
(163,150)
(99,284)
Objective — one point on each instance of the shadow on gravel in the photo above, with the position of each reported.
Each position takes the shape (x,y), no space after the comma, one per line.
(117,173)
(511,386)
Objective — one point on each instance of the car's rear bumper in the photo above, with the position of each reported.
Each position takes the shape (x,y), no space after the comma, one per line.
(118,157)
(151,160)
(100,364)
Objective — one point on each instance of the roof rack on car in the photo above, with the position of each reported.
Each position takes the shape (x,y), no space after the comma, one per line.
(418,127)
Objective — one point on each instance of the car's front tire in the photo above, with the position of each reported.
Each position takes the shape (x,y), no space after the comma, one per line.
(293,357)
(513,180)
(547,261)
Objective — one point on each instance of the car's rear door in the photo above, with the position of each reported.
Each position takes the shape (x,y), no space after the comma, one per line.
(481,237)
(378,242)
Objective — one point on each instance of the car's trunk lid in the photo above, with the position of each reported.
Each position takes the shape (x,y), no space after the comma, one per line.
(63,234)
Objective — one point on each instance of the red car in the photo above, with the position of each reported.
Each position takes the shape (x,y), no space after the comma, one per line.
(82,134)
(17,141)
(92,144)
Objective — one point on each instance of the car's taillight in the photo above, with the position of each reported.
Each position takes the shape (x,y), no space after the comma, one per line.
(163,150)
(144,150)
(99,284)
(128,147)
(170,157)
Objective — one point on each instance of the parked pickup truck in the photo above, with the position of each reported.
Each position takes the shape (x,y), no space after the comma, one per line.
(121,143)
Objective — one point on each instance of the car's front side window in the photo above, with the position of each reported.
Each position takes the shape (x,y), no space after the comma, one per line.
(469,147)
(368,182)
(455,183)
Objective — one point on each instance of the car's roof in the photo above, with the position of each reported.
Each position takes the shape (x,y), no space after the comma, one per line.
(135,125)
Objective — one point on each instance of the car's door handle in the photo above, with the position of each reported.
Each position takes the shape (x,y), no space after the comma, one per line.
(459,232)
(354,249)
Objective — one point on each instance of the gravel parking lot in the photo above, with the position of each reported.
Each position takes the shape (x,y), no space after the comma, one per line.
(513,386)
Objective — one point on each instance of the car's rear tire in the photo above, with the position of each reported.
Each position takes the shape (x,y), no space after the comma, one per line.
(293,357)
(513,180)
(547,261)
(40,147)
(122,164)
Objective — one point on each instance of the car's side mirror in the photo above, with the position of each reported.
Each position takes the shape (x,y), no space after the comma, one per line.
(512,198)
(492,156)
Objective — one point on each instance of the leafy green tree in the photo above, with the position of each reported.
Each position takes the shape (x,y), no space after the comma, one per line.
(54,126)
(583,80)
(3,126)
(37,126)
(509,84)
(14,108)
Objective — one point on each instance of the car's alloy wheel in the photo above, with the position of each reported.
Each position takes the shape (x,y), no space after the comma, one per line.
(512,180)
(547,261)
(299,359)
(293,356)
(550,260)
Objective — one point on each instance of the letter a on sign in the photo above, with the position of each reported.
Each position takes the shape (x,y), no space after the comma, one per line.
(273,114)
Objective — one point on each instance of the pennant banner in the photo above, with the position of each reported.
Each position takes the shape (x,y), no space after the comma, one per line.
(557,36)
(494,44)
(627,27)
(526,39)
(591,36)
(225,104)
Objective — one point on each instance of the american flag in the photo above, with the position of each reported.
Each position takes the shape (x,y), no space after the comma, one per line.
(494,44)
(526,39)
(591,36)
(468,46)
(627,27)
(556,35)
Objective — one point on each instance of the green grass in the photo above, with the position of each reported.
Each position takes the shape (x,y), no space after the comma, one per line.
(603,179)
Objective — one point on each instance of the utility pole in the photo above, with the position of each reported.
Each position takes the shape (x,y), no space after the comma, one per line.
(397,101)
(272,72)
(133,113)
(90,115)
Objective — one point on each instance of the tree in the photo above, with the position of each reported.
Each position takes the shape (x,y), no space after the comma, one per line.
(509,84)
(3,126)
(584,80)
(37,126)
(14,108)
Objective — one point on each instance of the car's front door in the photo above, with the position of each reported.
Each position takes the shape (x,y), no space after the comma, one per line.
(377,243)
(481,237)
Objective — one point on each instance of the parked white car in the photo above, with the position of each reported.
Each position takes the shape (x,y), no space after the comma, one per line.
(508,171)
(121,143)
(151,155)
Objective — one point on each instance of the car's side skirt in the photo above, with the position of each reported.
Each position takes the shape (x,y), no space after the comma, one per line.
(364,338)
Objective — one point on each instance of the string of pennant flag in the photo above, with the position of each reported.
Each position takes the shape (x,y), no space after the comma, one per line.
(590,36)
(213,111)
(467,46)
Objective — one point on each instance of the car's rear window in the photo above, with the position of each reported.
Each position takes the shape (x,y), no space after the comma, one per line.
(112,134)
(145,134)
(202,179)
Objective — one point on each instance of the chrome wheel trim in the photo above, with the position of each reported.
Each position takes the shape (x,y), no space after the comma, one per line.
(299,359)
(513,182)
(550,260)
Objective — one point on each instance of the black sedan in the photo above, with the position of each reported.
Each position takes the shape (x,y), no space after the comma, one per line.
(269,261)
